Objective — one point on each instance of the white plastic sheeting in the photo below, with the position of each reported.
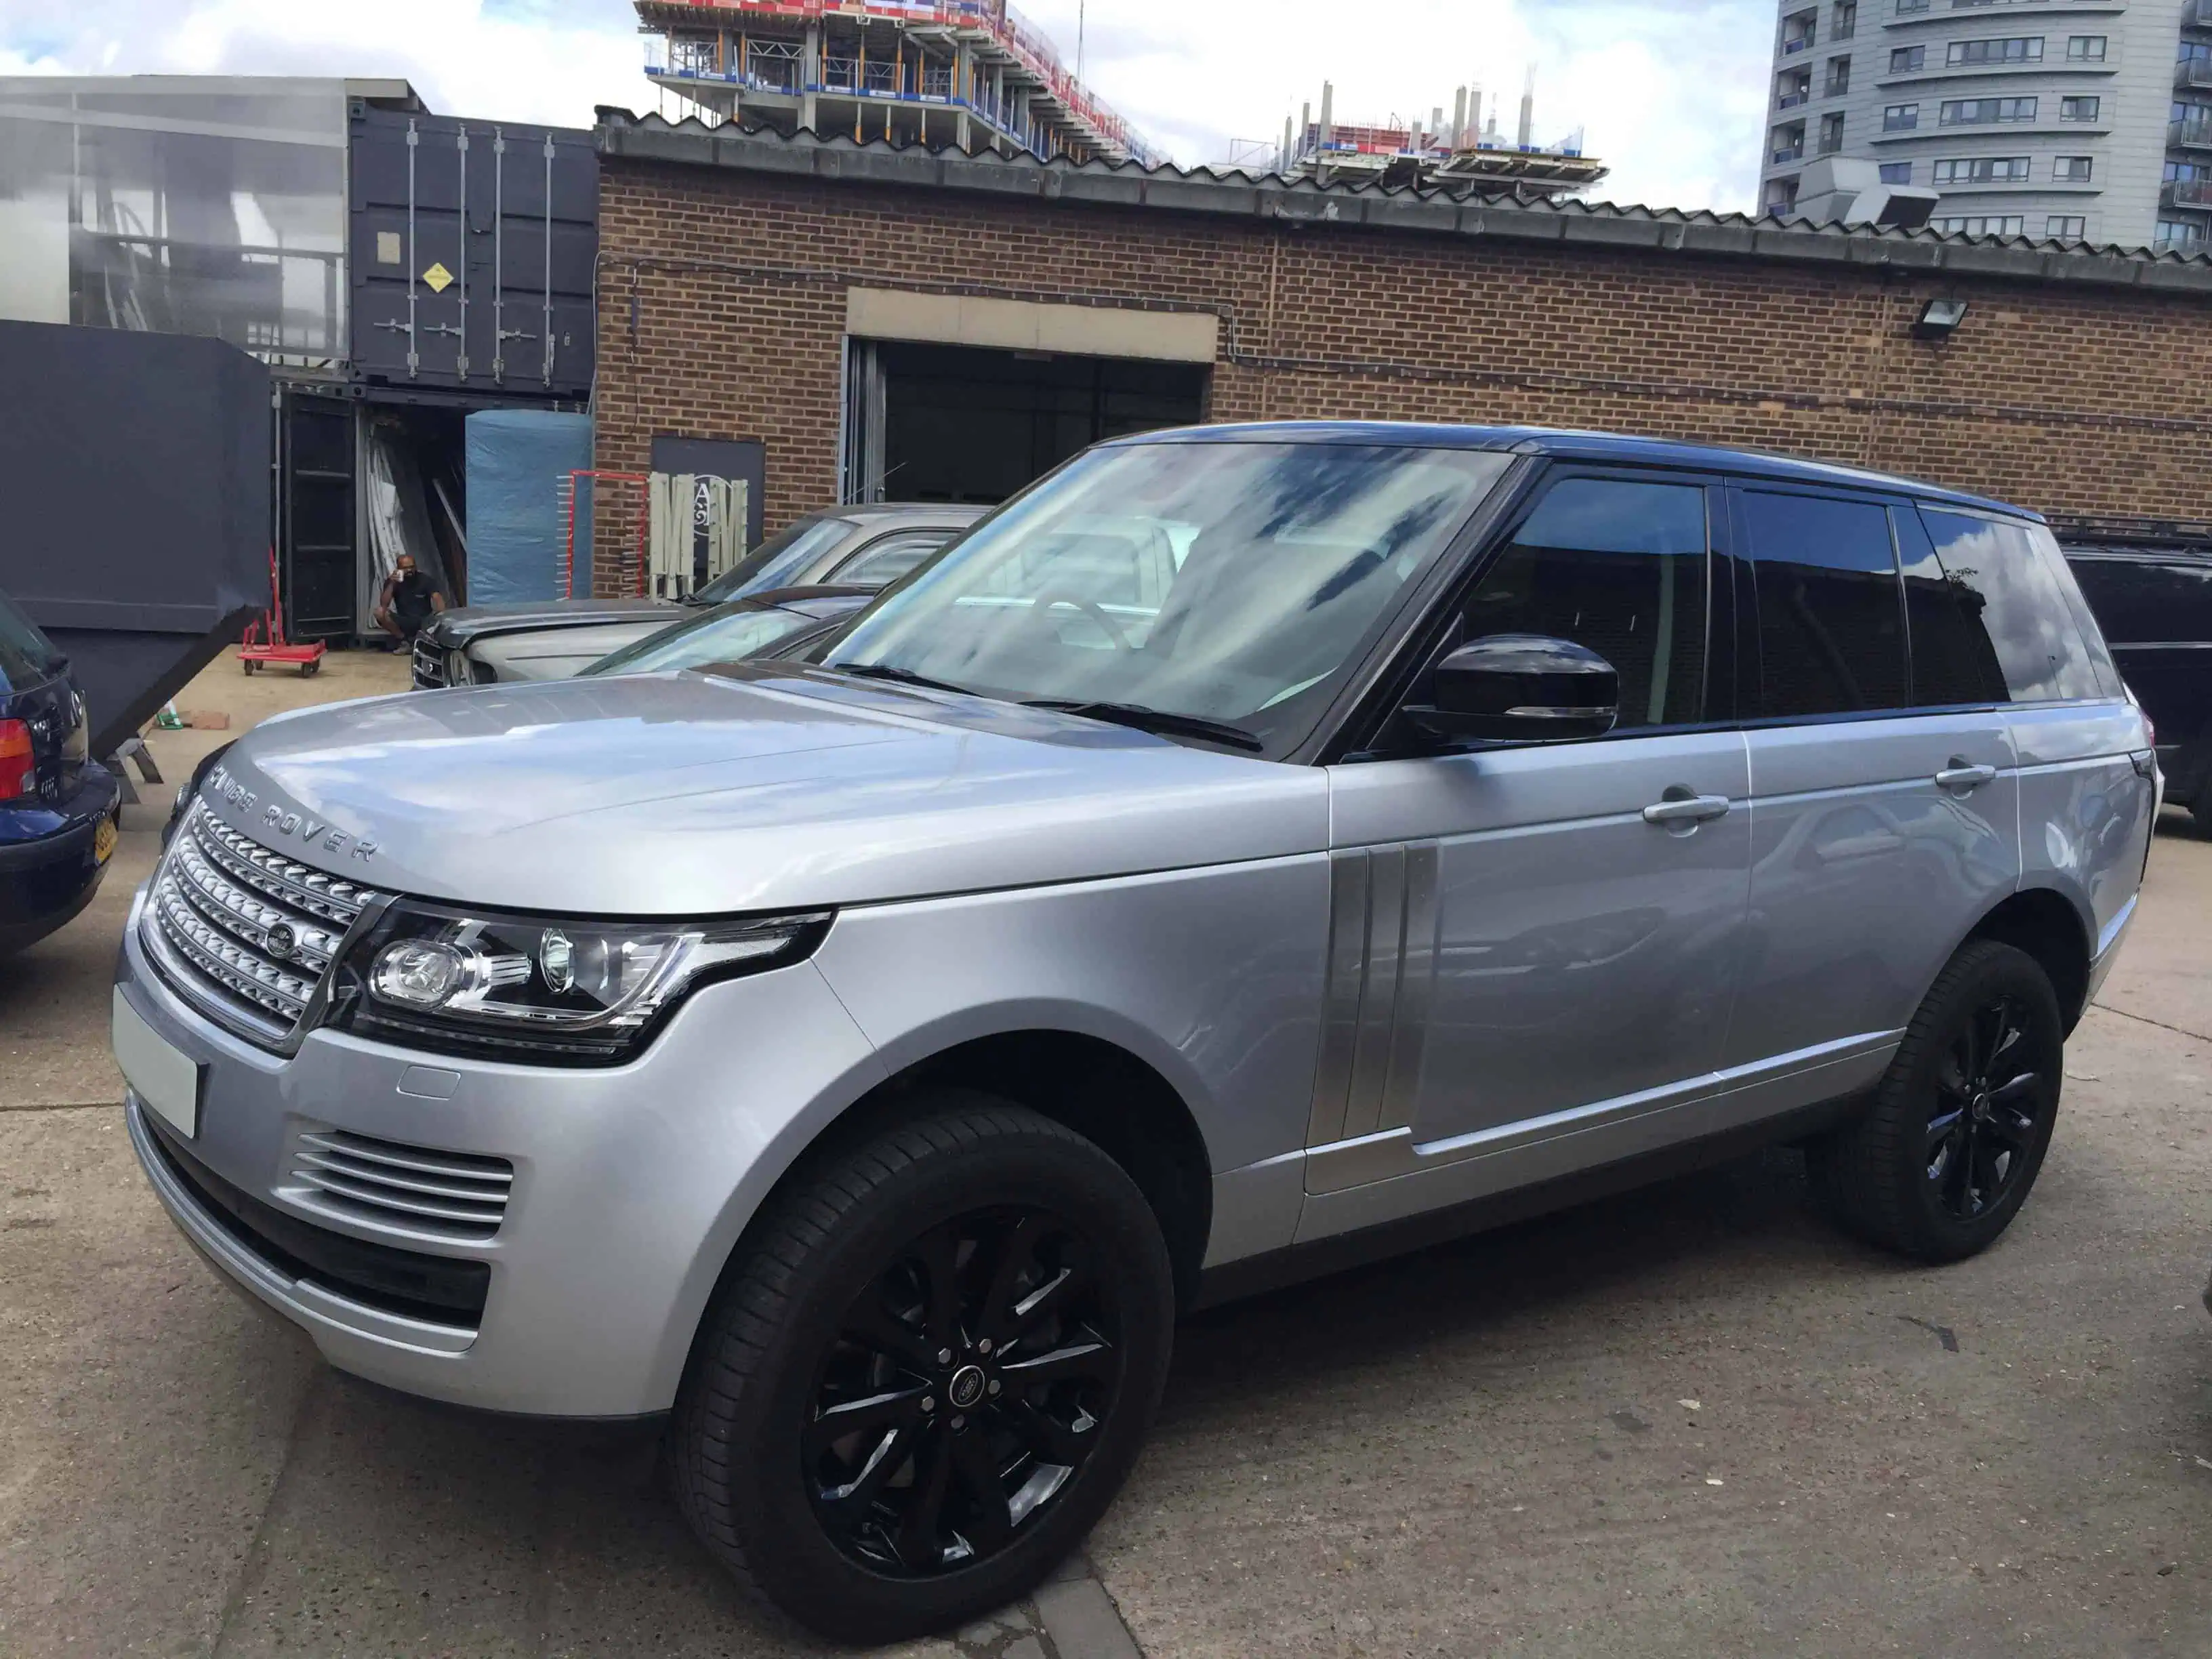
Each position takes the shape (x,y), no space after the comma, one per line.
(399,510)
(696,532)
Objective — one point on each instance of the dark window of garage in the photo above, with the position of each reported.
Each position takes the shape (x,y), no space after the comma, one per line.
(966,423)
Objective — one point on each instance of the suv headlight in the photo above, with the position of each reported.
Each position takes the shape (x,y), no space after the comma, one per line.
(543,987)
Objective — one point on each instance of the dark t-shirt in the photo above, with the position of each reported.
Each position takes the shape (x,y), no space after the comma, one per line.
(410,599)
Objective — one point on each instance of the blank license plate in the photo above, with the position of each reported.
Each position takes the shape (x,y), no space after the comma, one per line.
(165,1081)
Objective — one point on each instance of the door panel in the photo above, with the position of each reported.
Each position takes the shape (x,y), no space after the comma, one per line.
(1866,872)
(1527,941)
(1569,953)
(1879,835)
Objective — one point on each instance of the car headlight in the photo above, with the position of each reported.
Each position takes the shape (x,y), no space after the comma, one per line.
(542,987)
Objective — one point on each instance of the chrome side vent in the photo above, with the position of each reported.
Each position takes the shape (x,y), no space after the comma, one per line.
(458,1196)
(1382,968)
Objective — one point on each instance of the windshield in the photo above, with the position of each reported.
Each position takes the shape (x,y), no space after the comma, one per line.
(725,635)
(777,561)
(1233,582)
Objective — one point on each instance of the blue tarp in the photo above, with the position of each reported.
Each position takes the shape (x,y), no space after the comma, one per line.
(518,459)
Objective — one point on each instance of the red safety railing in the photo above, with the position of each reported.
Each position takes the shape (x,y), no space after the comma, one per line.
(607,523)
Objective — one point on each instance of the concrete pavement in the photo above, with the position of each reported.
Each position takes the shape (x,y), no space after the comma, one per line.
(1694,1421)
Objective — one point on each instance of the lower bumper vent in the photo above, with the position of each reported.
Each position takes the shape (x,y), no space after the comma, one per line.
(407,1283)
(452,1196)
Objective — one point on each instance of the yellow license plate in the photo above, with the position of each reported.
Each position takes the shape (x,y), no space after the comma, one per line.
(103,841)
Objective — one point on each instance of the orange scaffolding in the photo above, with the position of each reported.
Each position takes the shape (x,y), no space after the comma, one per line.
(1019,38)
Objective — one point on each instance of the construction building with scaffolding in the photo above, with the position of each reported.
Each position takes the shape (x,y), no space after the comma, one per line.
(970,73)
(1461,151)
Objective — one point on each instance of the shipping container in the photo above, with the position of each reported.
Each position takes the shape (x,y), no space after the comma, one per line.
(470,249)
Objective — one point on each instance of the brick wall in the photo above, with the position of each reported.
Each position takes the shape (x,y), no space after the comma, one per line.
(722,307)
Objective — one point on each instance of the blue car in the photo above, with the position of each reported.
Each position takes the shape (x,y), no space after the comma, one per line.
(59,810)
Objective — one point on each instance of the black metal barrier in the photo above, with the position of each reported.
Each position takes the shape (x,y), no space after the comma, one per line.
(134,505)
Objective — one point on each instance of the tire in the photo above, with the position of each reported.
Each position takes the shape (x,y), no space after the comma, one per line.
(827,1308)
(1943,1157)
(2200,818)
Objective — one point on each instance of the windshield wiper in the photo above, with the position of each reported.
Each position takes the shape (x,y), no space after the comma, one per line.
(883,670)
(1159,720)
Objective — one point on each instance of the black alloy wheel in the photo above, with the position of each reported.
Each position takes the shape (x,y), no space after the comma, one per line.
(1940,1159)
(964,1388)
(928,1368)
(1989,1096)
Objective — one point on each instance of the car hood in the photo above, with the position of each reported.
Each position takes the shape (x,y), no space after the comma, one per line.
(457,628)
(698,794)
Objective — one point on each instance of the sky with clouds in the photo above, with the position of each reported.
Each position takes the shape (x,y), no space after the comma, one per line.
(1670,92)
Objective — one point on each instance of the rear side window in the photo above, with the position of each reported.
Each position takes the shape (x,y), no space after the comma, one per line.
(1831,618)
(26,656)
(2017,595)
(1620,566)
(1952,660)
(2085,624)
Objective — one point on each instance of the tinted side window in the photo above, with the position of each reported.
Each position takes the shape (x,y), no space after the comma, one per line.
(1952,661)
(1619,566)
(2086,629)
(2141,601)
(2021,603)
(1831,621)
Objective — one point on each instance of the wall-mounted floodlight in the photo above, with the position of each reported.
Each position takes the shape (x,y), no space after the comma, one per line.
(1938,319)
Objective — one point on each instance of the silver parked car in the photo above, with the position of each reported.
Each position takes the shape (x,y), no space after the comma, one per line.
(848,547)
(1253,849)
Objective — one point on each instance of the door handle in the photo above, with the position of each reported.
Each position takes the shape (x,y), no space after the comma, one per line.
(1959,775)
(1686,808)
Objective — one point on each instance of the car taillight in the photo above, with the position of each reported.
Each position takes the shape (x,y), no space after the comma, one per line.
(19,765)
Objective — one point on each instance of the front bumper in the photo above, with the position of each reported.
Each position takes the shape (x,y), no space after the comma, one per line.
(630,1186)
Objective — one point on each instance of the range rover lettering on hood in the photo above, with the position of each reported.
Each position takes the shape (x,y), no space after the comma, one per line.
(314,831)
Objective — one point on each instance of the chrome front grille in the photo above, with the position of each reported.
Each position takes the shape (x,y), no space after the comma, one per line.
(458,1196)
(430,664)
(243,933)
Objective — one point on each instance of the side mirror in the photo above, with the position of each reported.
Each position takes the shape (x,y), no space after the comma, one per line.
(1520,688)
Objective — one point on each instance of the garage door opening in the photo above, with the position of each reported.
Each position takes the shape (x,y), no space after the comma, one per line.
(969,424)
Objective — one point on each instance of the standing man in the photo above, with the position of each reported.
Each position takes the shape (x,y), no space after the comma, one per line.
(407,602)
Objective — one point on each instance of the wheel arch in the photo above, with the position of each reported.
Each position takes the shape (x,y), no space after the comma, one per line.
(2049,926)
(1102,1089)
(1104,1092)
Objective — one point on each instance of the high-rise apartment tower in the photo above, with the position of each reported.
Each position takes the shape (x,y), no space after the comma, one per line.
(2087,119)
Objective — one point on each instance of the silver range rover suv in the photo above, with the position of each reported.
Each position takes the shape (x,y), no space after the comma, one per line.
(1250,849)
